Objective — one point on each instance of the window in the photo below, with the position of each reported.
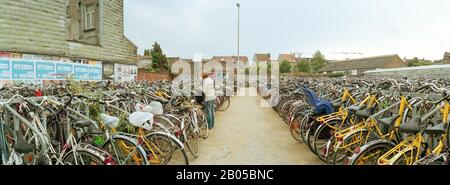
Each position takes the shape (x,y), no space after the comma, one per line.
(90,17)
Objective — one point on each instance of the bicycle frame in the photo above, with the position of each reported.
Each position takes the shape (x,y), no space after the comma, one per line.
(413,144)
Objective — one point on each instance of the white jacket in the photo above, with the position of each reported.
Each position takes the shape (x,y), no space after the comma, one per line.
(208,89)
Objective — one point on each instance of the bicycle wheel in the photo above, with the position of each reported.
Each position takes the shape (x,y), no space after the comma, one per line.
(225,104)
(305,124)
(203,124)
(83,157)
(295,128)
(125,151)
(191,140)
(369,154)
(310,135)
(321,137)
(164,149)
(349,146)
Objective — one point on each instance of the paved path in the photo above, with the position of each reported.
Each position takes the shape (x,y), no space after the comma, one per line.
(250,134)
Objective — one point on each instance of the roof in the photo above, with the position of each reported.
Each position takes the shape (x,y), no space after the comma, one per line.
(430,67)
(230,58)
(262,57)
(287,57)
(364,63)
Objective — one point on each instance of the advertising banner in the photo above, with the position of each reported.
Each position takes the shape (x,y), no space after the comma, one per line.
(5,69)
(95,73)
(108,71)
(81,72)
(63,70)
(38,70)
(125,73)
(23,70)
(45,70)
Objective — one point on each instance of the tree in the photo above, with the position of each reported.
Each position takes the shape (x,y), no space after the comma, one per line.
(159,60)
(302,66)
(419,62)
(285,67)
(147,52)
(318,61)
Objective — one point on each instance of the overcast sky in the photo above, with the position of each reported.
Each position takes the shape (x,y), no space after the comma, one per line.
(373,27)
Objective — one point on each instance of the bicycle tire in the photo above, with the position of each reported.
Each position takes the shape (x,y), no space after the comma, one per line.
(304,127)
(343,160)
(295,128)
(310,136)
(138,158)
(381,147)
(99,159)
(322,133)
(191,140)
(225,104)
(175,146)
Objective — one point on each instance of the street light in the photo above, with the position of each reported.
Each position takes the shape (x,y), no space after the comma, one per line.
(238,6)
(238,57)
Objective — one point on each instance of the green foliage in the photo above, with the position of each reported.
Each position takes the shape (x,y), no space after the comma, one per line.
(74,86)
(419,62)
(147,52)
(318,61)
(336,75)
(159,60)
(302,66)
(285,67)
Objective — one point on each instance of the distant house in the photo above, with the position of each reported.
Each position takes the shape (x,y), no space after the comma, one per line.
(261,57)
(292,57)
(354,67)
(446,59)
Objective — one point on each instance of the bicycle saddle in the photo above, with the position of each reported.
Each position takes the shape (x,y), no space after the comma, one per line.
(389,120)
(365,113)
(82,123)
(355,108)
(21,146)
(110,121)
(438,129)
(141,119)
(412,126)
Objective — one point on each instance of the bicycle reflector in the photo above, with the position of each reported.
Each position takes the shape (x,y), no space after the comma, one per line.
(109,161)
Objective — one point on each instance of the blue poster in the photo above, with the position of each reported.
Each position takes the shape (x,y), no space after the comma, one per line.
(95,73)
(45,70)
(63,70)
(5,67)
(81,72)
(22,70)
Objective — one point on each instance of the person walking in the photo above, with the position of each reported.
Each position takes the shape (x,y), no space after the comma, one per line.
(210,97)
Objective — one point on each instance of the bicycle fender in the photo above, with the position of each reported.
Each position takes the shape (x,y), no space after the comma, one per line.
(353,132)
(173,138)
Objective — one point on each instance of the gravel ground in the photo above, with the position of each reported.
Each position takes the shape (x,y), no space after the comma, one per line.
(250,134)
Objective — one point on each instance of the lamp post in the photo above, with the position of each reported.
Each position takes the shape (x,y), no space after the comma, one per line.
(237,67)
(238,6)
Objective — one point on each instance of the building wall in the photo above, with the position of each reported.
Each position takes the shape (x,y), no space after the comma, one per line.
(40,27)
